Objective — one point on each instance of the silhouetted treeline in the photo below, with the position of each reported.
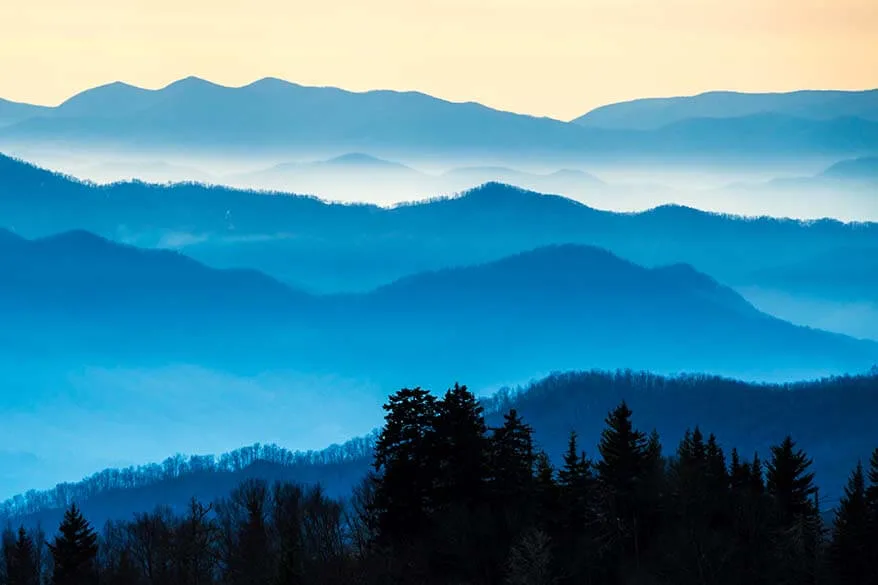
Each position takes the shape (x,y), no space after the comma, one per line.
(831,419)
(454,500)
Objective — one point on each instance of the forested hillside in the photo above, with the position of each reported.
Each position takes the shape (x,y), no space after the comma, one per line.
(831,419)
(454,499)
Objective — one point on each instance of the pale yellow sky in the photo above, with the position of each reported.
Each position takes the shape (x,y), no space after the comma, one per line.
(545,57)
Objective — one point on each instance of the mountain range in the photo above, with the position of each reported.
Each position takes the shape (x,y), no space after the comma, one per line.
(321,247)
(652,113)
(272,115)
(346,177)
(219,314)
(858,169)
(98,333)
(83,297)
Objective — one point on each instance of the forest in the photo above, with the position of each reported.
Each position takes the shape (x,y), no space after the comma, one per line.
(453,499)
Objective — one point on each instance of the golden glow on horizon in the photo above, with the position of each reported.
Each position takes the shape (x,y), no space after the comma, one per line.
(545,57)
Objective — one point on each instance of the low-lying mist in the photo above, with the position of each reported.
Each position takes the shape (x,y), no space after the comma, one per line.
(857,319)
(778,188)
(64,426)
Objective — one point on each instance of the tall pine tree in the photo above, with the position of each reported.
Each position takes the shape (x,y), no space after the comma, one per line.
(790,483)
(513,485)
(461,449)
(23,569)
(405,464)
(795,515)
(624,471)
(74,551)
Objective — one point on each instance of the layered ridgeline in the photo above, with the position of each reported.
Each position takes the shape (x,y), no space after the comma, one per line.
(831,419)
(652,113)
(78,298)
(858,169)
(274,115)
(323,247)
(344,178)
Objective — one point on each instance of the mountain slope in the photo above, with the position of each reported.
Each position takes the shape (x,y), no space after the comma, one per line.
(770,133)
(82,272)
(325,247)
(652,113)
(552,308)
(342,177)
(858,169)
(271,115)
(13,112)
(830,419)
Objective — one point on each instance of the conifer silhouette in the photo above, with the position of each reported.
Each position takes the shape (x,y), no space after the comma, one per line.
(74,551)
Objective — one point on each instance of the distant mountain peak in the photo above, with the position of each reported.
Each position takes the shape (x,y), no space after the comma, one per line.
(497,192)
(192,82)
(271,83)
(118,85)
(112,90)
(359,158)
(78,237)
(863,168)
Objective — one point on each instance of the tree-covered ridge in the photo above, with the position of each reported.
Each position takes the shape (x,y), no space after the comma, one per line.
(180,466)
(831,418)
(299,239)
(454,498)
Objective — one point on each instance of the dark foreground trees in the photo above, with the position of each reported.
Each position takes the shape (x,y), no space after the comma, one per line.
(451,501)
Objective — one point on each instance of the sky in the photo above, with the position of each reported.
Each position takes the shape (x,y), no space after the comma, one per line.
(557,58)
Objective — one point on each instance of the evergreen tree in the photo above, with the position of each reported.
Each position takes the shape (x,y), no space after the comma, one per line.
(850,537)
(461,454)
(692,452)
(696,551)
(513,458)
(462,451)
(750,554)
(23,569)
(514,507)
(405,462)
(573,536)
(623,461)
(739,474)
(790,483)
(547,492)
(576,482)
(717,475)
(654,454)
(795,518)
(624,472)
(74,551)
(575,474)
